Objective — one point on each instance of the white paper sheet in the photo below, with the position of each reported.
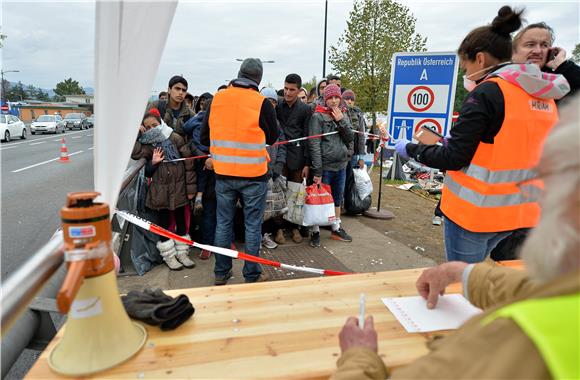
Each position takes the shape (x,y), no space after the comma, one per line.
(451,312)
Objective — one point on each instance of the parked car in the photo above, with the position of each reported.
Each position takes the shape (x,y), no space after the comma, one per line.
(48,123)
(11,126)
(91,121)
(76,120)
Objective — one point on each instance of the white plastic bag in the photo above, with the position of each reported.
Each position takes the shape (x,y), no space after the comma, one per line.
(319,207)
(362,180)
(295,198)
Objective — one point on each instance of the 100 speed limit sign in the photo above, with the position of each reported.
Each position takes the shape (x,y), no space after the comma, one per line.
(420,98)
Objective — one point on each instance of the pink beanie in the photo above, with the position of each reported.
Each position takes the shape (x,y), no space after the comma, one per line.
(330,91)
(348,94)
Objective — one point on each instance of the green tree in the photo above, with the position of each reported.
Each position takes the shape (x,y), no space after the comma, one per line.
(16,93)
(310,84)
(68,87)
(460,92)
(576,54)
(41,95)
(376,29)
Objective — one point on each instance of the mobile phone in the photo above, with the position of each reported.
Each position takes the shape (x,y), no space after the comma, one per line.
(552,52)
(427,136)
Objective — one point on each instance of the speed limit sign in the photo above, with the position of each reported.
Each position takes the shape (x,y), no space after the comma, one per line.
(420,98)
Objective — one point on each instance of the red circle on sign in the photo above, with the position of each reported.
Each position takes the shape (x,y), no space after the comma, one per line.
(431,98)
(4,108)
(435,122)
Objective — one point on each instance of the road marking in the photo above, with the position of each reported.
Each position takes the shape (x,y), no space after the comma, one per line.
(91,148)
(77,137)
(10,144)
(43,162)
(36,143)
(90,134)
(8,147)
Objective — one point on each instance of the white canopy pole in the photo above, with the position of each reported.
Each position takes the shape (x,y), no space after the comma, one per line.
(129,40)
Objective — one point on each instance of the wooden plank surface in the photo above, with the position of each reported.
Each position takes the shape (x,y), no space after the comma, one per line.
(270,330)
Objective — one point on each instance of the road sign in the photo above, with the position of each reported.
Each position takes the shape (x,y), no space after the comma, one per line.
(422,92)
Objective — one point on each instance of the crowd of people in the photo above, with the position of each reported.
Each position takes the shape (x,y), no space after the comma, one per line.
(494,179)
(209,158)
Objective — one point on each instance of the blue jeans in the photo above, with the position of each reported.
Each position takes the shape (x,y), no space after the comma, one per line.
(336,181)
(208,221)
(253,197)
(467,246)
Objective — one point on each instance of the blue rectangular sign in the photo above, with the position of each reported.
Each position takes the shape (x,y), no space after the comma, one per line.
(422,92)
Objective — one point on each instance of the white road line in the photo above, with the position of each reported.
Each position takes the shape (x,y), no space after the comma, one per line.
(91,148)
(36,143)
(90,135)
(77,137)
(58,140)
(8,147)
(43,162)
(42,138)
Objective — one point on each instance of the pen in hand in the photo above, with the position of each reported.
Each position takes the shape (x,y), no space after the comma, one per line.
(361,311)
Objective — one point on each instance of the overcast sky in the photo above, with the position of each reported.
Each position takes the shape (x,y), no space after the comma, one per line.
(49,41)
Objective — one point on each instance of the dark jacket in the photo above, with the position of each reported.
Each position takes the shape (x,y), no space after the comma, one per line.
(176,123)
(571,72)
(294,122)
(480,119)
(192,129)
(358,123)
(329,152)
(267,122)
(171,182)
(277,155)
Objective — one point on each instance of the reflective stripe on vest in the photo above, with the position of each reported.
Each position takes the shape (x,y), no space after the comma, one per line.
(486,195)
(529,193)
(500,176)
(553,325)
(238,144)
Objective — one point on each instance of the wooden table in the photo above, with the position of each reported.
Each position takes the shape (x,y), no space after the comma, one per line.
(282,329)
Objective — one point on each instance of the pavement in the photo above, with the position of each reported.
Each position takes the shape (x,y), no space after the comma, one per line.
(370,251)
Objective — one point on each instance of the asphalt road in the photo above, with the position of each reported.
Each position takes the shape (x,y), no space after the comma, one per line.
(34,185)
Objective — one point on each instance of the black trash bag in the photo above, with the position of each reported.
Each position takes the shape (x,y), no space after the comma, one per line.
(143,247)
(353,205)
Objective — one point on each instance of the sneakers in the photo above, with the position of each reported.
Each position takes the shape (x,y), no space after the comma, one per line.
(182,253)
(168,252)
(437,220)
(222,280)
(315,239)
(340,235)
(296,237)
(261,278)
(204,254)
(267,242)
(280,238)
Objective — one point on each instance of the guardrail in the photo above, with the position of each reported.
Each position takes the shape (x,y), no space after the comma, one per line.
(21,322)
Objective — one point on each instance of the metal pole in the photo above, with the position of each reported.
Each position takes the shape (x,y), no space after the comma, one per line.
(380,179)
(3,89)
(324,52)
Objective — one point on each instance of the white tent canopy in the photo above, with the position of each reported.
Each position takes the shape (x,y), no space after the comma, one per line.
(129,41)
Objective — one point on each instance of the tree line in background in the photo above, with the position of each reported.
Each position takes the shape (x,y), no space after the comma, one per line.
(19,92)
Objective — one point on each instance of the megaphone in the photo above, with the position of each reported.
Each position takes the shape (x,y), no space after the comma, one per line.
(98,333)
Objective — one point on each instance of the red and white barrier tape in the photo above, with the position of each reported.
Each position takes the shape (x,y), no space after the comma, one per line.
(369,136)
(222,251)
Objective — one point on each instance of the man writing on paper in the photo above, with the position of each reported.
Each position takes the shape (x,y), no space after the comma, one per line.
(529,317)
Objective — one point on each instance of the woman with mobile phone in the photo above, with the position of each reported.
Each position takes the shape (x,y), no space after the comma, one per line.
(534,44)
(495,144)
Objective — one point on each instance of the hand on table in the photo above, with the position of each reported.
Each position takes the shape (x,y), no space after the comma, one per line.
(353,336)
(433,281)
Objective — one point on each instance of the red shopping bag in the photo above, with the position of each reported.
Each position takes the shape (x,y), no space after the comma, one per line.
(318,206)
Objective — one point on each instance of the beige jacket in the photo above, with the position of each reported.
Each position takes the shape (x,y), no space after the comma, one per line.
(498,350)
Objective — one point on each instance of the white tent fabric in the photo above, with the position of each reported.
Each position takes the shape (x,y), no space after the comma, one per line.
(129,41)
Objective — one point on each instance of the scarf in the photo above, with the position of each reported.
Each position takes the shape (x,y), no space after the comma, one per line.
(327,110)
(159,138)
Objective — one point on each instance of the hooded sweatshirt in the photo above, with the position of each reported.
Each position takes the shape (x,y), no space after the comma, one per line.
(482,115)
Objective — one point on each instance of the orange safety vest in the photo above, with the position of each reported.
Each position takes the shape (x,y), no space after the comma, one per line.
(492,193)
(237,143)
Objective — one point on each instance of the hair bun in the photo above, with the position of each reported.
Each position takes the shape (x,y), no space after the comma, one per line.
(507,21)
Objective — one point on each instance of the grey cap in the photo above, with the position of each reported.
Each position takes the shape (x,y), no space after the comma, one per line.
(251,69)
(270,93)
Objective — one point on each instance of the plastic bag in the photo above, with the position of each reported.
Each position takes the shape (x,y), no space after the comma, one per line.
(362,180)
(353,205)
(275,198)
(319,206)
(295,196)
